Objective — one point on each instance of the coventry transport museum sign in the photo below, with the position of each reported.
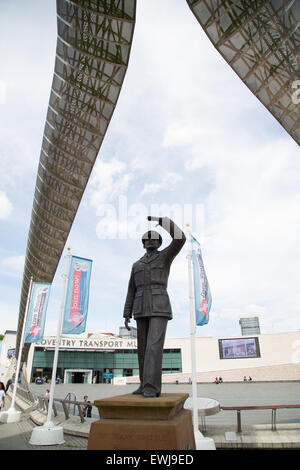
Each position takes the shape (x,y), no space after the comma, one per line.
(97,343)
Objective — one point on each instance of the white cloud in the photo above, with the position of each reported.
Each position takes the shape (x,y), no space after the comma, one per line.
(6,206)
(109,179)
(151,188)
(166,183)
(111,226)
(9,314)
(251,218)
(23,113)
(244,311)
(254,224)
(188,133)
(14,263)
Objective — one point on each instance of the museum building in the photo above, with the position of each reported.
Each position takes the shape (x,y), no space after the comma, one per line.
(96,359)
(111,358)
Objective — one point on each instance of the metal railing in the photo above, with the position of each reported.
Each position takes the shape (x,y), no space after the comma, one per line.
(23,393)
(42,403)
(274,408)
(69,397)
(79,405)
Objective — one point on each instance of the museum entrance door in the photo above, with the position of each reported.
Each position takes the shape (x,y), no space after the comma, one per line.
(78,376)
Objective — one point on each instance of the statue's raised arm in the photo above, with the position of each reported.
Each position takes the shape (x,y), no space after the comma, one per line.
(176,233)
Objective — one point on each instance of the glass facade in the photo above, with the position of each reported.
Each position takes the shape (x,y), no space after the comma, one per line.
(73,365)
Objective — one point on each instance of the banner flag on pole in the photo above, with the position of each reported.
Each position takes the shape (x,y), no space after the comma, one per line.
(77,297)
(36,316)
(202,292)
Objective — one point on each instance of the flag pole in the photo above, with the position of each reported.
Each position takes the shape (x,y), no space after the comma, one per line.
(201,442)
(12,415)
(49,434)
(58,335)
(192,337)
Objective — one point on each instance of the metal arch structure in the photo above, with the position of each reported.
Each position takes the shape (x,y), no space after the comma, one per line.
(93,47)
(260,40)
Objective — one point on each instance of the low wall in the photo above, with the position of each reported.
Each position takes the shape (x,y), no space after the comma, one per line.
(258,374)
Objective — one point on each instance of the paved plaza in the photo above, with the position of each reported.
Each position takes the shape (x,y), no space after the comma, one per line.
(227,394)
(256,425)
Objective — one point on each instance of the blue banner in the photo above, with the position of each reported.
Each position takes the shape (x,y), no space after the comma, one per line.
(36,315)
(202,292)
(77,297)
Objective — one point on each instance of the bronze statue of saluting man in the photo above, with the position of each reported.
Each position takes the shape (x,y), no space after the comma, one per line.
(148,302)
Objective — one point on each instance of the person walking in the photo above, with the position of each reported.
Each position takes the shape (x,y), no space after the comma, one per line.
(2,395)
(8,384)
(87,408)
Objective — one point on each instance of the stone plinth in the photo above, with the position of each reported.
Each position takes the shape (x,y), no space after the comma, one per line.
(132,422)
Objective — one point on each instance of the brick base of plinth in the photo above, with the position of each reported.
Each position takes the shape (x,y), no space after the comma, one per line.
(132,422)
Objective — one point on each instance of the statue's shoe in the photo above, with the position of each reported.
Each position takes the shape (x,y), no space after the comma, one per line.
(138,391)
(151,394)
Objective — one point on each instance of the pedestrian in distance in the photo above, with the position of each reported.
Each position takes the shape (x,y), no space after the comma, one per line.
(2,395)
(46,399)
(8,384)
(87,408)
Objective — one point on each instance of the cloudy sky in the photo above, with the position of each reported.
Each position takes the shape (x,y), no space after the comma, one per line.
(187,140)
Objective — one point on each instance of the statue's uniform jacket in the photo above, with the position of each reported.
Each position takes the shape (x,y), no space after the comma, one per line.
(147,289)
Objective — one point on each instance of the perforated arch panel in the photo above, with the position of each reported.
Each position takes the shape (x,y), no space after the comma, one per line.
(93,46)
(260,40)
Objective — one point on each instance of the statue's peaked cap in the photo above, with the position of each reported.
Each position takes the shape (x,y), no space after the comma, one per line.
(152,235)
